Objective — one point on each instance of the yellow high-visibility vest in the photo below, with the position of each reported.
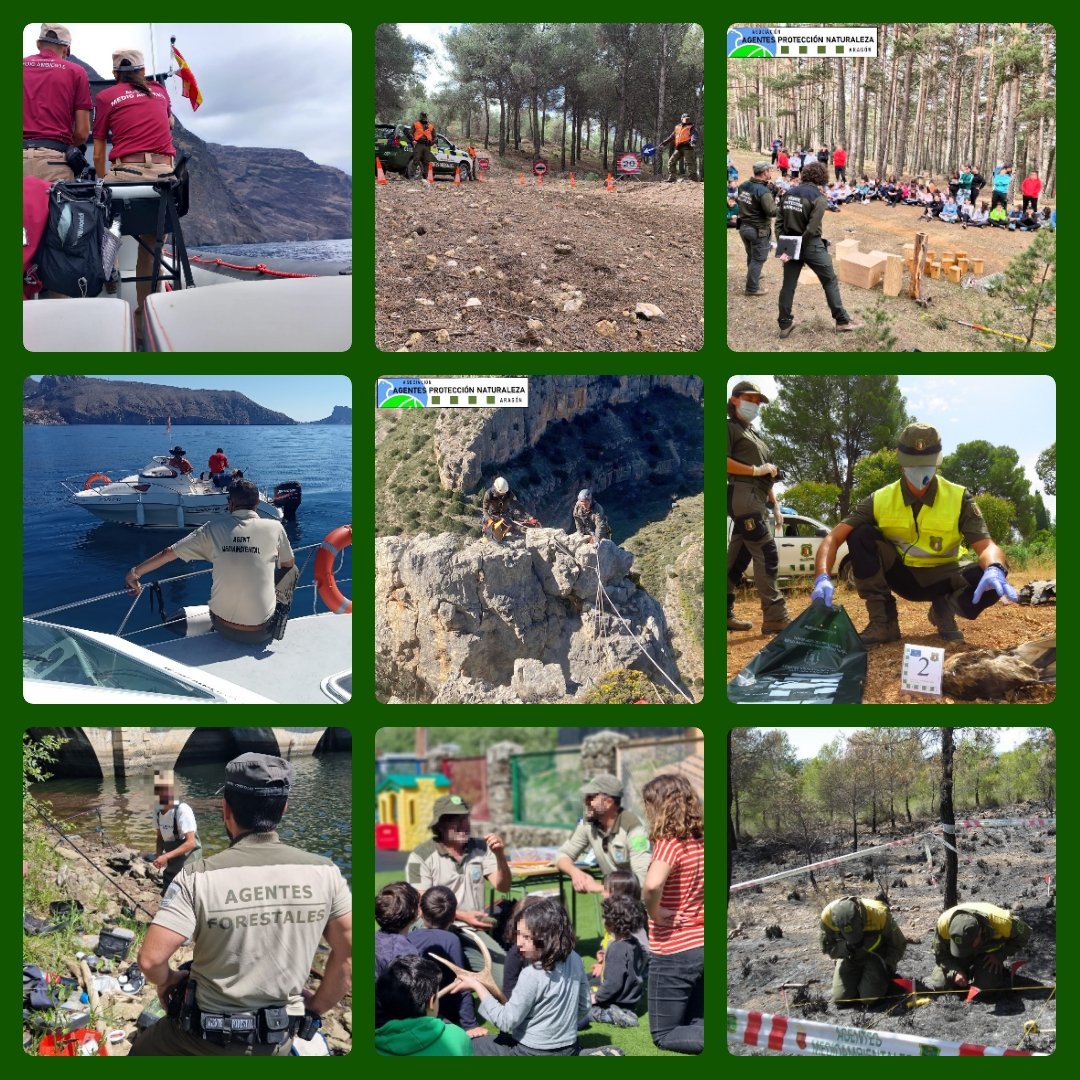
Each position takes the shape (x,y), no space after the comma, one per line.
(1001,921)
(932,540)
(875,916)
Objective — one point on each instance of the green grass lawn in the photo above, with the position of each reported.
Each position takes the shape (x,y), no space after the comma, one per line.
(635,1042)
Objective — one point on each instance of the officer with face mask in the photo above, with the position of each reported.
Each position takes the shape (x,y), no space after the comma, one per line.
(905,539)
(751,506)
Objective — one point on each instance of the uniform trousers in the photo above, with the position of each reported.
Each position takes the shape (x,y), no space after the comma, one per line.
(977,973)
(45,163)
(752,538)
(682,152)
(816,256)
(421,154)
(867,978)
(755,239)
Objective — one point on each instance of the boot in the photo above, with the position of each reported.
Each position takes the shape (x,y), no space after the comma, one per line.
(942,614)
(775,619)
(732,622)
(883,626)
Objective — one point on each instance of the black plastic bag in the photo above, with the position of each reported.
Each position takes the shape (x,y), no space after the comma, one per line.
(816,660)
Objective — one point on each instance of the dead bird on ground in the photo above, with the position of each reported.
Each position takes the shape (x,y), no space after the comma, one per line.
(994,673)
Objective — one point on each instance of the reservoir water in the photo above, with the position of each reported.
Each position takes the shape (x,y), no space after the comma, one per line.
(318,819)
(70,555)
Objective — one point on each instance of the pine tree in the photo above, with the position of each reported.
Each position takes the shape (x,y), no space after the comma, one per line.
(1024,292)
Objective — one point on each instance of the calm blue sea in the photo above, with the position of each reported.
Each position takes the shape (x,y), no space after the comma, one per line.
(70,555)
(317,250)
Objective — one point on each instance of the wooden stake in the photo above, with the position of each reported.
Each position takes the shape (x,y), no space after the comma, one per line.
(894,275)
(918,261)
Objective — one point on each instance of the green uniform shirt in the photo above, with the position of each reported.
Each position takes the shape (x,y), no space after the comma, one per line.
(432,863)
(756,204)
(802,210)
(624,847)
(746,445)
(256,912)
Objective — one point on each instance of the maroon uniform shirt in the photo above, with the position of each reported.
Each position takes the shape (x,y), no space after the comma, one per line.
(137,123)
(53,91)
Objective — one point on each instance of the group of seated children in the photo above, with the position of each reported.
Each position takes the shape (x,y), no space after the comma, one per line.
(549,998)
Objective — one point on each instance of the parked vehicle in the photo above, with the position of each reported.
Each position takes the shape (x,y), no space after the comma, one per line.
(797,542)
(393,145)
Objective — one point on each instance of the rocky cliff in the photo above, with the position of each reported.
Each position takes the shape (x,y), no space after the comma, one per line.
(76,399)
(485,623)
(470,442)
(342,414)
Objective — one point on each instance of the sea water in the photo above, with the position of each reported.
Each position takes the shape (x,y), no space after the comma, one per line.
(315,250)
(69,555)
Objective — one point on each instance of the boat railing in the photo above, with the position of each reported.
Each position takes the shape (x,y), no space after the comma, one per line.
(148,588)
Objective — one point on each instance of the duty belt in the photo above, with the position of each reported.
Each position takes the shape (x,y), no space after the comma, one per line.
(45,144)
(271,1025)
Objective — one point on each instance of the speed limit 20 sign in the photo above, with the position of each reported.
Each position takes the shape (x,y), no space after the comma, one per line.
(629,163)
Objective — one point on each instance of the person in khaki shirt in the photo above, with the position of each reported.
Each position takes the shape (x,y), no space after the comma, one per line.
(617,837)
(254,567)
(462,862)
(256,913)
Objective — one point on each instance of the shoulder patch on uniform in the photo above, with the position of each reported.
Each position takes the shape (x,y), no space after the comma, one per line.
(639,842)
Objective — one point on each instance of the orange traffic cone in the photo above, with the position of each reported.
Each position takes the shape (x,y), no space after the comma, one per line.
(380,176)
(540,178)
(521,179)
(573,182)
(610,184)
(457,175)
(431,173)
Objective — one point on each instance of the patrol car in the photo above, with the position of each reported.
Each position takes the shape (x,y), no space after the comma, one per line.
(393,145)
(797,543)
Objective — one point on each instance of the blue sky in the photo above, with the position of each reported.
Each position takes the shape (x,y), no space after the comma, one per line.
(1006,410)
(807,741)
(303,397)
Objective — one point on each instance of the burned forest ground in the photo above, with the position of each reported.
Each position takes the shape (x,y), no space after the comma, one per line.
(1003,866)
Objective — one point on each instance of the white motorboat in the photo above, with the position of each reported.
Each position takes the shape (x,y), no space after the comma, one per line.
(161,497)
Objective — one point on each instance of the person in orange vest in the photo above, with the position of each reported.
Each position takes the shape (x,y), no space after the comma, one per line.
(683,141)
(423,137)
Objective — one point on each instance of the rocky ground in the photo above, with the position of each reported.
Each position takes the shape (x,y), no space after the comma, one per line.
(498,267)
(1004,866)
(76,879)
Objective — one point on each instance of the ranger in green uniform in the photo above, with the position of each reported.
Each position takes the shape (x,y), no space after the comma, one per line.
(756,209)
(905,538)
(802,210)
(751,505)
(256,913)
(617,837)
(861,936)
(971,942)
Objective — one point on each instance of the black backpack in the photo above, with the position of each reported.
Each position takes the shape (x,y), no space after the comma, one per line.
(69,256)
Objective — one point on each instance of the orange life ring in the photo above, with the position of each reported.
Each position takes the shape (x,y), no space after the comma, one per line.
(96,476)
(336,541)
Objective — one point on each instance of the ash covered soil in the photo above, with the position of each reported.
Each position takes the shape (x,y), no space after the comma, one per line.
(438,246)
(1003,866)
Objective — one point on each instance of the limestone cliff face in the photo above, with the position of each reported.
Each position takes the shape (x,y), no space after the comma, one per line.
(470,442)
(486,623)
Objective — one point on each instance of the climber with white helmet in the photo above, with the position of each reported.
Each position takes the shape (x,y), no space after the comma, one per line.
(499,502)
(589,517)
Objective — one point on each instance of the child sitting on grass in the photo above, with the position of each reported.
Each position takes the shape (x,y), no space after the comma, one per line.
(406,998)
(396,908)
(621,883)
(438,906)
(551,996)
(625,964)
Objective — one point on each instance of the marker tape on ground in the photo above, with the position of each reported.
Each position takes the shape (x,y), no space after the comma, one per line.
(907,842)
(789,1035)
(1009,822)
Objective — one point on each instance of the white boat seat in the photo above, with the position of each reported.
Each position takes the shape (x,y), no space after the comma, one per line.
(101,324)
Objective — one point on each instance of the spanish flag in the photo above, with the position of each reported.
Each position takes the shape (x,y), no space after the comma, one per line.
(187,77)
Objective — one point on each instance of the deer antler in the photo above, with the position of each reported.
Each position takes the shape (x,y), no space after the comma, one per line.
(483,976)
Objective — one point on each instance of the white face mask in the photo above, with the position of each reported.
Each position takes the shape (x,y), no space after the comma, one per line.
(920,476)
(747,410)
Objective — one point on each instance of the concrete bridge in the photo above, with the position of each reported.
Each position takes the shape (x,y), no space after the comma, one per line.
(133,751)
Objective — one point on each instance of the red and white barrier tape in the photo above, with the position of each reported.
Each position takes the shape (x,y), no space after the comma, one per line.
(1009,822)
(790,1035)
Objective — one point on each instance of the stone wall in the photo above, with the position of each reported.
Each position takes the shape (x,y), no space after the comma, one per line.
(499,783)
(598,752)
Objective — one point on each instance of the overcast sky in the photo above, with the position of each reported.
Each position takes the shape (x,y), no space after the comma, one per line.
(807,741)
(1005,410)
(286,85)
(438,67)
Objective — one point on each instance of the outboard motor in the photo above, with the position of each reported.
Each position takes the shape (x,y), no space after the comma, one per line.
(287,496)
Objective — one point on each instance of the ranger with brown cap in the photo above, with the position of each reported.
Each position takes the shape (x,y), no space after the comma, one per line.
(971,942)
(905,538)
(867,945)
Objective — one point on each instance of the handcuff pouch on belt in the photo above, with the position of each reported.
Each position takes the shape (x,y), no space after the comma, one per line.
(271,1025)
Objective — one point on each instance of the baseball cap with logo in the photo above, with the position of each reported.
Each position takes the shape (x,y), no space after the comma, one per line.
(603,784)
(847,917)
(447,805)
(963,930)
(746,387)
(920,444)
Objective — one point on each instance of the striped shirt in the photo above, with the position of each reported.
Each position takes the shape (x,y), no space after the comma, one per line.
(684,892)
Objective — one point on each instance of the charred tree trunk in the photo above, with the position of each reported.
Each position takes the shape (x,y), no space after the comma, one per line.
(948,821)
(907,807)
(732,837)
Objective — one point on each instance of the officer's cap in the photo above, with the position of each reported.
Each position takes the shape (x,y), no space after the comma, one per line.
(128,60)
(963,929)
(447,805)
(54,34)
(745,387)
(847,917)
(919,445)
(762,166)
(603,784)
(258,774)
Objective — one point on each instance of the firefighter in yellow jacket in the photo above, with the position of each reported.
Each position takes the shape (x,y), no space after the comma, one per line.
(971,944)
(905,539)
(861,936)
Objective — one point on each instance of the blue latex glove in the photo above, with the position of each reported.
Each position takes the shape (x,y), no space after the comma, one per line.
(994,578)
(823,590)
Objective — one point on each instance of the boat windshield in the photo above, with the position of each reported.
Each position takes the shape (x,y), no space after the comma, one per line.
(53,654)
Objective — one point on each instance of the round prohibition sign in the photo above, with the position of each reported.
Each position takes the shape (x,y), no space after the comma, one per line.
(629,162)
(540,167)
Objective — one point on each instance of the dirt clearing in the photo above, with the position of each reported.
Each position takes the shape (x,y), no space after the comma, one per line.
(547,268)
